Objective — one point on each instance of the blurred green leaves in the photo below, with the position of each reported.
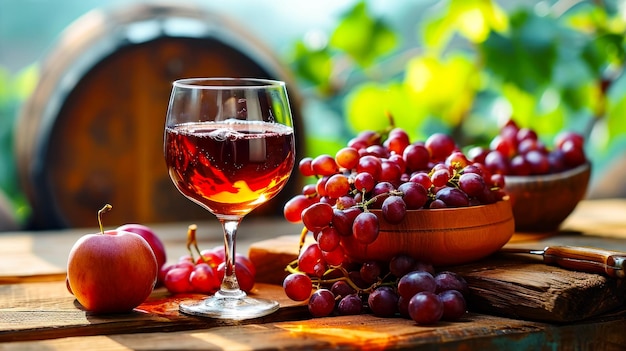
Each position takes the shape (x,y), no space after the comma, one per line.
(362,37)
(13,90)
(550,66)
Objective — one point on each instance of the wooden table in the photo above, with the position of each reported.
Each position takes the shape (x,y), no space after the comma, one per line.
(37,312)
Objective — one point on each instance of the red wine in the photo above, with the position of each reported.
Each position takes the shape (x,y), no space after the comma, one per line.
(229,167)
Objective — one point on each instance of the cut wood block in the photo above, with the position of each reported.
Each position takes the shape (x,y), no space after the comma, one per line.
(508,285)
(272,256)
(521,287)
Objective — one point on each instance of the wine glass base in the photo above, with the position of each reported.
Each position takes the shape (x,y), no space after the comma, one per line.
(230,308)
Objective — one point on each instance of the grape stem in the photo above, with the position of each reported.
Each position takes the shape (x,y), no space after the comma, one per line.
(292,268)
(373,199)
(192,241)
(303,234)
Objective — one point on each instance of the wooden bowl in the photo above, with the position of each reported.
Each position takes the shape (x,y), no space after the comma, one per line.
(541,203)
(439,236)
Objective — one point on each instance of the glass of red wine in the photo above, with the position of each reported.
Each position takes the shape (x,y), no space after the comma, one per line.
(229,147)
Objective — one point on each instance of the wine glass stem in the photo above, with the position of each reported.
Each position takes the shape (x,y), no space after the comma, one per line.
(230,286)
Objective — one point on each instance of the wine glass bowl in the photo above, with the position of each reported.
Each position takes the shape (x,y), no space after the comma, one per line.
(229,147)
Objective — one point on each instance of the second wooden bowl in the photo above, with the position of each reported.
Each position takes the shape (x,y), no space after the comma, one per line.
(440,236)
(541,203)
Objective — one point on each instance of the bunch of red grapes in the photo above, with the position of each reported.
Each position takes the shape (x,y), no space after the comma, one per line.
(204,274)
(386,172)
(518,151)
(404,287)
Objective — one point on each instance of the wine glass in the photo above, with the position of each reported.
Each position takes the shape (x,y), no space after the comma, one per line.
(229,147)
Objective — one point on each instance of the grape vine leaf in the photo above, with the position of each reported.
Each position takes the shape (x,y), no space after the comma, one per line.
(363,37)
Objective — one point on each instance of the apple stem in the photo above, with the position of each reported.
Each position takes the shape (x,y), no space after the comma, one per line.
(104,209)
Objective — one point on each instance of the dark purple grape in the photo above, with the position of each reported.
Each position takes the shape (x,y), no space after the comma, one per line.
(341,289)
(370,271)
(394,209)
(350,305)
(403,307)
(454,305)
(355,276)
(447,280)
(415,282)
(556,159)
(538,161)
(424,267)
(452,197)
(401,265)
(365,227)
(414,195)
(437,203)
(383,302)
(381,192)
(519,166)
(321,303)
(425,308)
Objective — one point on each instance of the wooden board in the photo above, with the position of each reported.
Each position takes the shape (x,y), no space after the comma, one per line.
(364,332)
(513,285)
(45,310)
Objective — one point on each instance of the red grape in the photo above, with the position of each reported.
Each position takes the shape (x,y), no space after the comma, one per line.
(324,165)
(414,282)
(383,302)
(454,305)
(350,305)
(321,303)
(425,308)
(317,216)
(347,157)
(365,227)
(298,286)
(394,209)
(440,146)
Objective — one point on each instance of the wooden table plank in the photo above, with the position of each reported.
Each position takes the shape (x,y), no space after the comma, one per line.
(475,332)
(44,310)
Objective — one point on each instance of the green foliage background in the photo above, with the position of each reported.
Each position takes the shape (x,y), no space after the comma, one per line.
(473,67)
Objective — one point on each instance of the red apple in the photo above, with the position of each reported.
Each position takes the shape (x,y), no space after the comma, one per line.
(111,272)
(151,237)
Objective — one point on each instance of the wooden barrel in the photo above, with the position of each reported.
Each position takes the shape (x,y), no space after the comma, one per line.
(92,131)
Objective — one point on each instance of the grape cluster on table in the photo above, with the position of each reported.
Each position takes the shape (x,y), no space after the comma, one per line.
(404,287)
(386,171)
(204,274)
